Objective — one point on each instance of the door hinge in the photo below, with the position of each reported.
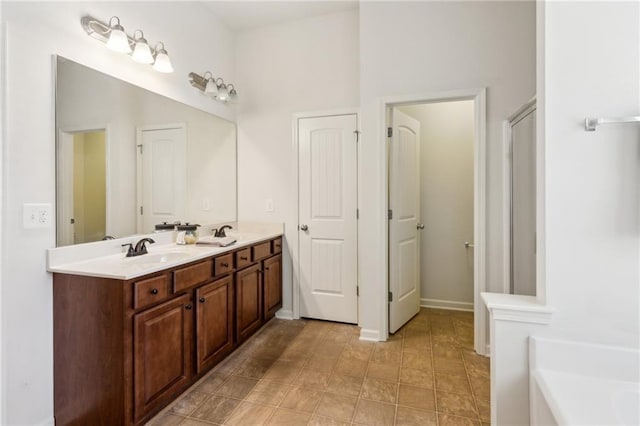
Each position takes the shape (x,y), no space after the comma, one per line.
(390,297)
(389,132)
(357,213)
(357,291)
(141,210)
(140,146)
(357,132)
(389,214)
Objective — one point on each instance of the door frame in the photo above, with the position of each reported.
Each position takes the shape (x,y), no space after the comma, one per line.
(507,208)
(291,232)
(146,128)
(64,136)
(478,96)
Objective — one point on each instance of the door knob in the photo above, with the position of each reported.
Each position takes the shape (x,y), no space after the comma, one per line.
(420,226)
(467,244)
(304,228)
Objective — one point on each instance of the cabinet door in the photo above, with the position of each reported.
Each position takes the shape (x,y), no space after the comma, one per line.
(248,301)
(272,286)
(162,343)
(214,322)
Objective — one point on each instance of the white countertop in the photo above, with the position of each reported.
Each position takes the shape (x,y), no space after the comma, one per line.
(104,264)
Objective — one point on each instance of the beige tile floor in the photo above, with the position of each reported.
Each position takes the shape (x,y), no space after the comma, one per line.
(319,373)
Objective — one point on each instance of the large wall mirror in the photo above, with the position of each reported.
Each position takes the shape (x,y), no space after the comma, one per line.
(128,159)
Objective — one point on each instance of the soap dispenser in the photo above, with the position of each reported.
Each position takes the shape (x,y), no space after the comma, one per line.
(187,233)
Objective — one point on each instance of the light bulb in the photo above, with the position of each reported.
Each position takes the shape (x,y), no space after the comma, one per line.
(211,89)
(118,40)
(142,51)
(232,91)
(223,93)
(162,62)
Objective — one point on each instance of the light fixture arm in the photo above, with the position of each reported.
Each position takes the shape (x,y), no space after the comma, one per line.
(99,30)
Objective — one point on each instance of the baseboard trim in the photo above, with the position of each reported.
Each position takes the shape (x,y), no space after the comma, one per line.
(446,304)
(369,335)
(284,314)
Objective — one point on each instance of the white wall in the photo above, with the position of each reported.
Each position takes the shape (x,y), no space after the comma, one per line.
(589,197)
(35,32)
(422,47)
(593,179)
(446,199)
(306,65)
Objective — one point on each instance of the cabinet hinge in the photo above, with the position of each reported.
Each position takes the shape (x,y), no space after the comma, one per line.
(357,213)
(357,291)
(390,297)
(140,146)
(390,214)
(357,132)
(389,132)
(141,210)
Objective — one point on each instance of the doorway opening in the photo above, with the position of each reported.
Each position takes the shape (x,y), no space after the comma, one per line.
(82,182)
(435,168)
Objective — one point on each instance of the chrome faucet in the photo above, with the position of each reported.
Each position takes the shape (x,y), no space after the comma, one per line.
(220,232)
(140,248)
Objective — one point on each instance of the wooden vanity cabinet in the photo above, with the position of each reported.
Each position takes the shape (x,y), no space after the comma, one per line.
(248,301)
(214,322)
(123,350)
(272,286)
(162,352)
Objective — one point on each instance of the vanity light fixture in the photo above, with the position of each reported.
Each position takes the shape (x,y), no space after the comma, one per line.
(162,62)
(118,40)
(141,51)
(215,88)
(137,46)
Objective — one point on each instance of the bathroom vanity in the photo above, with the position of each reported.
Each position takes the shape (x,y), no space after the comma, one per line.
(131,334)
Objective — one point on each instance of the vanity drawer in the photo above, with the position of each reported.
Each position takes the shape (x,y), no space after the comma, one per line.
(149,291)
(223,264)
(262,250)
(276,246)
(243,258)
(184,278)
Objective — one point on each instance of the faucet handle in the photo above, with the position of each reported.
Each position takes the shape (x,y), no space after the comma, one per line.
(214,232)
(130,252)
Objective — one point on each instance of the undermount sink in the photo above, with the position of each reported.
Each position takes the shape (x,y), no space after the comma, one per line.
(158,257)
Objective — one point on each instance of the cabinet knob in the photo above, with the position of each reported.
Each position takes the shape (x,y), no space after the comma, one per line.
(201,300)
(266,268)
(188,306)
(154,291)
(224,265)
(244,258)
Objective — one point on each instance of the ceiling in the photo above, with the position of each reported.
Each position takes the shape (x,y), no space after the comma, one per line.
(244,15)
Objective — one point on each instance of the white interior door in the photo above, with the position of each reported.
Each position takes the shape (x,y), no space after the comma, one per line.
(404,223)
(163,176)
(327,217)
(523,207)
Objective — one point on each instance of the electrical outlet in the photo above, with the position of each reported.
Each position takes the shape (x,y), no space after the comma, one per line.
(206,205)
(36,216)
(269,204)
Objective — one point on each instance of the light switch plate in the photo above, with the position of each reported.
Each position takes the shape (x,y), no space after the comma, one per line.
(269,204)
(36,215)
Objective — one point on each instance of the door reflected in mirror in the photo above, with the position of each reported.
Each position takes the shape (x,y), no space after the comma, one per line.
(83,154)
(128,159)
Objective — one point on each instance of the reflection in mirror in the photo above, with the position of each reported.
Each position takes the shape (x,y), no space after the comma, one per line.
(128,159)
